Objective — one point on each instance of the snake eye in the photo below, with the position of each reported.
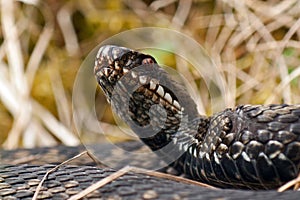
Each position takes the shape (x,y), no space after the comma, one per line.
(147,61)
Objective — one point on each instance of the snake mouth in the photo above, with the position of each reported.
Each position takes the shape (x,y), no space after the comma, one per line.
(160,94)
(113,62)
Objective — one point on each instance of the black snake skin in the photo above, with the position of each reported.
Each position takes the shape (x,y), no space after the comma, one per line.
(250,146)
(19,181)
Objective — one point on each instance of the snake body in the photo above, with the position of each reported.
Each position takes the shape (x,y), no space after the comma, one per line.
(254,147)
(19,181)
(250,146)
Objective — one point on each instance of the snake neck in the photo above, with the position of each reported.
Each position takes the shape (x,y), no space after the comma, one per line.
(159,111)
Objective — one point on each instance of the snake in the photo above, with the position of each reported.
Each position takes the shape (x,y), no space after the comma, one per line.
(249,147)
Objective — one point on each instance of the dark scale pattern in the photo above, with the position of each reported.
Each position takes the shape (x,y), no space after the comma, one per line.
(256,149)
(250,146)
(69,180)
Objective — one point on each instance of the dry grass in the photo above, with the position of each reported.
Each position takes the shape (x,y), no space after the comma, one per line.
(254,43)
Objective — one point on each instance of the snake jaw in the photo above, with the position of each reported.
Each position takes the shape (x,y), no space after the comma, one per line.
(113,62)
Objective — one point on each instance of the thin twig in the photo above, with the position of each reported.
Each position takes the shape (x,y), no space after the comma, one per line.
(100,183)
(61,99)
(56,127)
(64,18)
(295,182)
(127,169)
(170,177)
(52,170)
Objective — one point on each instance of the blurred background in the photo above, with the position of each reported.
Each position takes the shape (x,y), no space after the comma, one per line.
(254,43)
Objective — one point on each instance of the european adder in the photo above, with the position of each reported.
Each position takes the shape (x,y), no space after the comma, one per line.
(248,147)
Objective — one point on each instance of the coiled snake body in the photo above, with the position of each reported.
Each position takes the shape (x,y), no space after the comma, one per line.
(250,146)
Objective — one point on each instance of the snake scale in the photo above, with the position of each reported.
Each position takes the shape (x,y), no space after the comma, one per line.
(248,147)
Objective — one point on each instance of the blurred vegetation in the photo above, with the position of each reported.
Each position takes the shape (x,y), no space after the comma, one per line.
(254,43)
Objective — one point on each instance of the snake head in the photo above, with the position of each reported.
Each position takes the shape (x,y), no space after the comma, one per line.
(113,62)
(143,94)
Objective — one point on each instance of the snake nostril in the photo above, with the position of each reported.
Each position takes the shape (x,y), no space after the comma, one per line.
(147,61)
